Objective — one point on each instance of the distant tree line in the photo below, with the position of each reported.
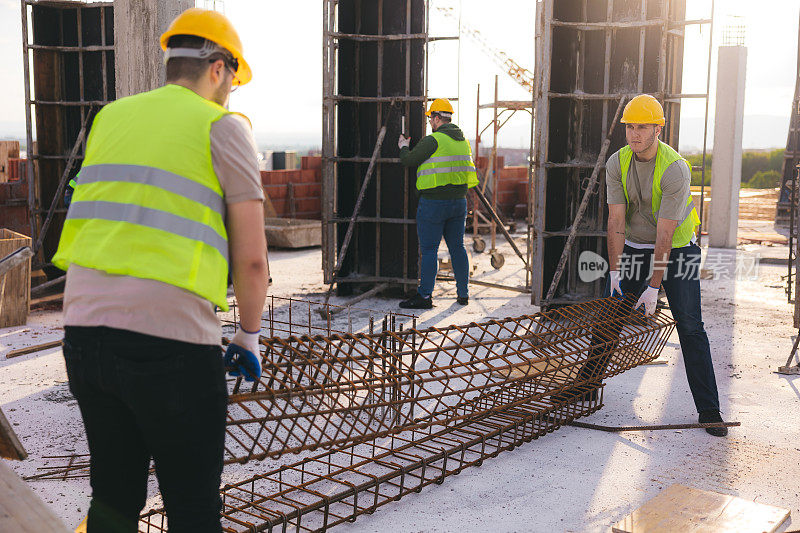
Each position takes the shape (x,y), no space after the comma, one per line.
(760,169)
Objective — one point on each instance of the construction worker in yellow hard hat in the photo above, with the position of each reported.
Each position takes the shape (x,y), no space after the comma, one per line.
(651,242)
(168,202)
(445,170)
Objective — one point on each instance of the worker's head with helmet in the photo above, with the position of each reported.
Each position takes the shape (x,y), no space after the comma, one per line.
(203,49)
(643,117)
(440,112)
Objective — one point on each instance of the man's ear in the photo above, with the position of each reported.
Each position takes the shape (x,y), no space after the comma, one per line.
(658,130)
(217,71)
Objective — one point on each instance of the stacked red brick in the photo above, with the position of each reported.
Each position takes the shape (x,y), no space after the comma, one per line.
(14,197)
(512,196)
(306,185)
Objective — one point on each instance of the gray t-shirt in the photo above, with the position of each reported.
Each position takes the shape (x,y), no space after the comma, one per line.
(95,298)
(640,224)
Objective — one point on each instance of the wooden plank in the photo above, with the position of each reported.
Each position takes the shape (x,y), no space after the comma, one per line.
(691,510)
(21,510)
(15,285)
(34,348)
(10,445)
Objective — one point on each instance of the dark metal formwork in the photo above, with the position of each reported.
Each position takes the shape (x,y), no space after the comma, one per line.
(374,73)
(68,58)
(589,56)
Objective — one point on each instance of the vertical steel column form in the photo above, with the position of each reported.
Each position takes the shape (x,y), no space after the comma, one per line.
(642,32)
(378,125)
(705,123)
(540,139)
(79,17)
(103,56)
(495,184)
(328,136)
(662,51)
(407,114)
(607,66)
(28,120)
(477,155)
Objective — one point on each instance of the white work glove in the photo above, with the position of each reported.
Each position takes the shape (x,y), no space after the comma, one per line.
(243,358)
(615,288)
(403,142)
(648,299)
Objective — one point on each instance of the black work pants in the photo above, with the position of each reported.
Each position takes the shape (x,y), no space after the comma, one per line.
(141,397)
(682,284)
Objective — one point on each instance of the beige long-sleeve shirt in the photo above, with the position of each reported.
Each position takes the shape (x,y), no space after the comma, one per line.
(95,298)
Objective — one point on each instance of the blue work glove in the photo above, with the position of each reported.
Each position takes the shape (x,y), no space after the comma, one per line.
(243,358)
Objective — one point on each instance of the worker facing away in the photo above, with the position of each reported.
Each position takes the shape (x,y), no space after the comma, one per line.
(445,171)
(651,241)
(167,200)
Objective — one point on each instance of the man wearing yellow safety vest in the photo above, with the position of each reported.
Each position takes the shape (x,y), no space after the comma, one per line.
(651,241)
(445,171)
(168,200)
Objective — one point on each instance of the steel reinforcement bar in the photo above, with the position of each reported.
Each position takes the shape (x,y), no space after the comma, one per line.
(323,391)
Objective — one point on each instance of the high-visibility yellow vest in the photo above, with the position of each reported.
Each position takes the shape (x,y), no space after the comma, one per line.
(665,156)
(148,203)
(450,164)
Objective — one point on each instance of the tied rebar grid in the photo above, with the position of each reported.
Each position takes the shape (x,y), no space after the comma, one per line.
(444,400)
(323,391)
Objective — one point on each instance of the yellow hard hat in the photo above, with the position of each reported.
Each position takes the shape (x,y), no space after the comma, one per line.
(643,109)
(215,27)
(440,104)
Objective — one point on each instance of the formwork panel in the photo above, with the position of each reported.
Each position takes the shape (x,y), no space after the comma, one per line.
(590,55)
(70,51)
(371,81)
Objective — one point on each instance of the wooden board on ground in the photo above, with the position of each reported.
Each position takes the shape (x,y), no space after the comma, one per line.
(15,286)
(10,446)
(690,510)
(21,510)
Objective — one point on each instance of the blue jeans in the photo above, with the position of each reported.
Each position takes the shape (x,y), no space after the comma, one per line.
(437,219)
(682,284)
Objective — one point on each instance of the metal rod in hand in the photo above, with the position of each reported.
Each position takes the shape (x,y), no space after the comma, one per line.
(62,183)
(499,223)
(14,259)
(351,225)
(601,157)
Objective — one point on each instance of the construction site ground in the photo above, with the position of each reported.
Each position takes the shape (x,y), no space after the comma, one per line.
(571,480)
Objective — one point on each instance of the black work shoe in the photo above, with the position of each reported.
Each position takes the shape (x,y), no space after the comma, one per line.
(708,417)
(417,302)
(462,300)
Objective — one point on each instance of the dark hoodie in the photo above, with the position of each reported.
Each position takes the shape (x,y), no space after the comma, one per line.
(426,148)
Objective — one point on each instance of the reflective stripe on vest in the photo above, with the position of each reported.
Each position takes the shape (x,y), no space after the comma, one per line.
(665,156)
(148,203)
(450,164)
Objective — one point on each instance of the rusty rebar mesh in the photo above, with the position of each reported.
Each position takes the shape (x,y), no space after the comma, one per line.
(337,486)
(294,316)
(486,387)
(322,391)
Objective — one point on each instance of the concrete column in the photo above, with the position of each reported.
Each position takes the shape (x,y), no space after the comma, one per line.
(138,25)
(726,168)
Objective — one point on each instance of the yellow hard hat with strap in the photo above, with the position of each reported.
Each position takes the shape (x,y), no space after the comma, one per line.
(440,105)
(215,27)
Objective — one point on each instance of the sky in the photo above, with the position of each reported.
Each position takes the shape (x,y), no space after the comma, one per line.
(283,44)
